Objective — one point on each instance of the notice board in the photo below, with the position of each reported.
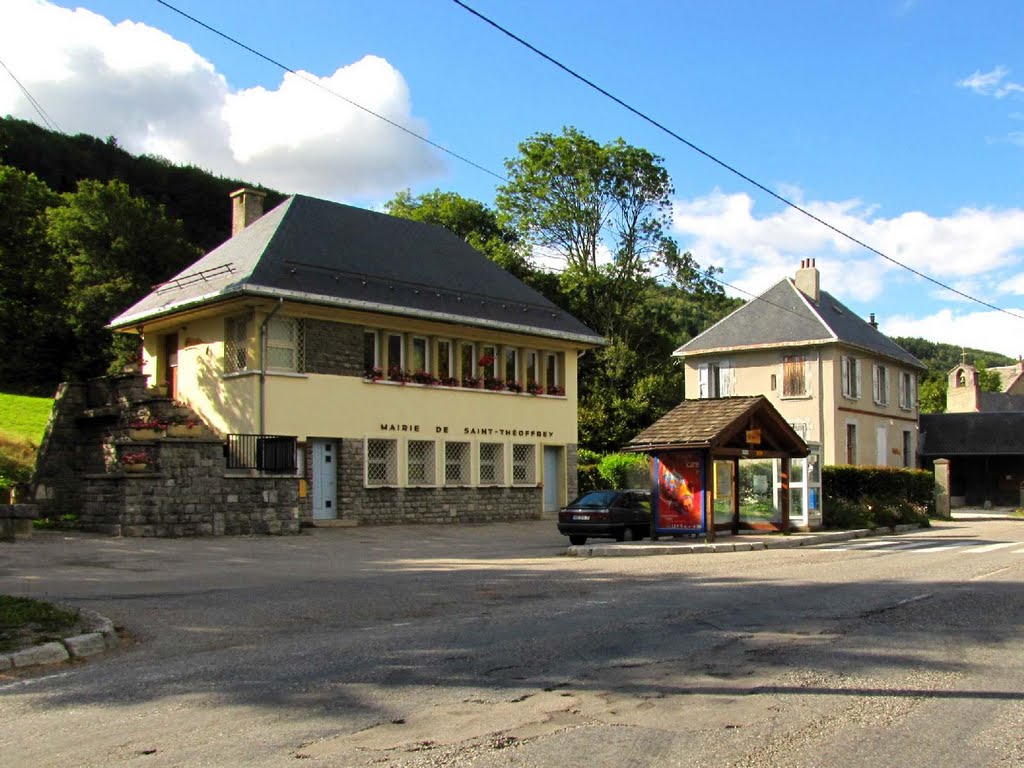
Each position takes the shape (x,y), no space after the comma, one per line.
(679,492)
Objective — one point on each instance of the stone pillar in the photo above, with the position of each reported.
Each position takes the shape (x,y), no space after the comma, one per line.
(942,489)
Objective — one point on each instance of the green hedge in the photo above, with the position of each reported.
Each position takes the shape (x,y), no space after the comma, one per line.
(872,497)
(612,470)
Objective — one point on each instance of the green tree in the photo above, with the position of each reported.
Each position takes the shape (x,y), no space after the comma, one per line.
(32,328)
(116,247)
(471,220)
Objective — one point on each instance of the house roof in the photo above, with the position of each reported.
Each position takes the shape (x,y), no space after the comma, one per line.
(944,435)
(1008,374)
(785,316)
(719,423)
(316,251)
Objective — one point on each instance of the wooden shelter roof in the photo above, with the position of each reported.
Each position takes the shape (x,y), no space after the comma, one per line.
(733,426)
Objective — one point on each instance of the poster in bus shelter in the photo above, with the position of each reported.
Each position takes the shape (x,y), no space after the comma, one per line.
(679,497)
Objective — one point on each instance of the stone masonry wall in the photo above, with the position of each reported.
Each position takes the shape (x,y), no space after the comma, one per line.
(391,506)
(572,477)
(333,348)
(188,493)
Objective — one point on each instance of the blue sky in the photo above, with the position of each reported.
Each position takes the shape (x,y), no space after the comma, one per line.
(901,122)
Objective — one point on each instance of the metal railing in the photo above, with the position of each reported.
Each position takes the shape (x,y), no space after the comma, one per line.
(266,453)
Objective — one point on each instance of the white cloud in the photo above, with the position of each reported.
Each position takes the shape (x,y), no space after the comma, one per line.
(989,330)
(157,95)
(757,250)
(992,83)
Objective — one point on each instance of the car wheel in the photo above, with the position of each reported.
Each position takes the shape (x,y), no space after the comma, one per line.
(577,539)
(626,535)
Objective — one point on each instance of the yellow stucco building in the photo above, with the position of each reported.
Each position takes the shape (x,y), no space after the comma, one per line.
(418,381)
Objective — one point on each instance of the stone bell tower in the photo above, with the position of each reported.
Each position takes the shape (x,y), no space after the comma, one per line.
(963,390)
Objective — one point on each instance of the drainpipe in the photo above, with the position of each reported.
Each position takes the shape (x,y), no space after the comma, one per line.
(263,364)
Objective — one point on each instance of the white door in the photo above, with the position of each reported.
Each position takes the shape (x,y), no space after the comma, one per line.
(882,444)
(325,479)
(552,477)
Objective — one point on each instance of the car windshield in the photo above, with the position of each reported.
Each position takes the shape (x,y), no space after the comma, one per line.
(595,500)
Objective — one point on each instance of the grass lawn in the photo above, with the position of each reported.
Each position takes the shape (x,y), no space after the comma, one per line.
(22,422)
(23,417)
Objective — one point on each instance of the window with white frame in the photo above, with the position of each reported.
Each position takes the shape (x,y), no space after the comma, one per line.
(236,343)
(552,371)
(467,358)
(492,464)
(456,463)
(489,362)
(420,462)
(395,351)
(445,359)
(531,368)
(850,377)
(908,387)
(285,344)
(381,462)
(716,379)
(420,352)
(524,464)
(371,351)
(880,384)
(794,376)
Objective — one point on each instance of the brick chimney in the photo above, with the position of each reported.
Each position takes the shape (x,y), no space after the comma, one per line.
(872,322)
(246,207)
(808,281)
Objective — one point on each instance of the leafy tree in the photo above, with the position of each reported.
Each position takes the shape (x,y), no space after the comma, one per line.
(32,330)
(115,247)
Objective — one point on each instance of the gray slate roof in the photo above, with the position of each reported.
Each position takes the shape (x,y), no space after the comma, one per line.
(785,316)
(972,434)
(321,252)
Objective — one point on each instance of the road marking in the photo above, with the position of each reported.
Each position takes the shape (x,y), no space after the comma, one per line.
(992,547)
(939,548)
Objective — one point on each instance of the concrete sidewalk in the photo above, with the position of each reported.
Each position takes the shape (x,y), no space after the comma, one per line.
(727,543)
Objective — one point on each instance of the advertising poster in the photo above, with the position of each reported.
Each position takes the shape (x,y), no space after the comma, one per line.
(679,501)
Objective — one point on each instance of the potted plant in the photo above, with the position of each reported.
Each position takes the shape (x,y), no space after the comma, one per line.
(473,382)
(448,381)
(535,388)
(556,390)
(424,377)
(513,386)
(135,461)
(397,374)
(373,374)
(493,384)
(146,428)
(189,426)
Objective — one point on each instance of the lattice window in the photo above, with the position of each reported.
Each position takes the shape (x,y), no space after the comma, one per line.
(524,464)
(456,463)
(420,462)
(382,462)
(286,344)
(492,464)
(236,343)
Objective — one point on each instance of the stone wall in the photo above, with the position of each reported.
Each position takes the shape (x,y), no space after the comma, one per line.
(333,348)
(391,506)
(572,477)
(189,493)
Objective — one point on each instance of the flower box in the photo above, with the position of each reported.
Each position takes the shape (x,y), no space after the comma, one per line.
(135,469)
(185,430)
(144,433)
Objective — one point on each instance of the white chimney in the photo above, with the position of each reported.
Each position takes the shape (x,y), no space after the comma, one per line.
(246,207)
(808,281)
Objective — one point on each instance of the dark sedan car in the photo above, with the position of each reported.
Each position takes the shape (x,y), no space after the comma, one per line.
(623,515)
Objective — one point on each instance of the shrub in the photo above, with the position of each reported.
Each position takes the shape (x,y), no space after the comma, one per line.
(872,497)
(589,479)
(586,456)
(623,470)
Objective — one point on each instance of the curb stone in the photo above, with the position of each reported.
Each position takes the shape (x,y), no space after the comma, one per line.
(102,638)
(642,549)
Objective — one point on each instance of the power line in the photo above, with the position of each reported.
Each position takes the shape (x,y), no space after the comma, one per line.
(334,93)
(786,201)
(50,122)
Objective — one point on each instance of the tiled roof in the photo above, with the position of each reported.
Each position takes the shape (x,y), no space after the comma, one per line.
(972,434)
(711,423)
(785,316)
(316,251)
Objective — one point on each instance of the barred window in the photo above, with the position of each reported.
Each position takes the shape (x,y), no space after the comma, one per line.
(420,462)
(456,463)
(285,344)
(382,462)
(492,464)
(236,343)
(524,464)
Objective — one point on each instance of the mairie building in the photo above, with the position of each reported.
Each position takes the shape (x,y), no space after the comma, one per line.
(396,373)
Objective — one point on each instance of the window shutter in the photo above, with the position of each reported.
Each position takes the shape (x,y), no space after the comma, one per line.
(846,374)
(856,379)
(702,380)
(912,395)
(728,379)
(874,383)
(904,395)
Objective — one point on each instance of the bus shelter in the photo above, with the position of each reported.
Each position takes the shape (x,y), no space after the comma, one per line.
(708,473)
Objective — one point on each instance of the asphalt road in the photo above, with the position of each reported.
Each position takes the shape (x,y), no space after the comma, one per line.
(482,646)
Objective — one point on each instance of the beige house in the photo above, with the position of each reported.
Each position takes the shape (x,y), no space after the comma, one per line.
(414,378)
(847,389)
